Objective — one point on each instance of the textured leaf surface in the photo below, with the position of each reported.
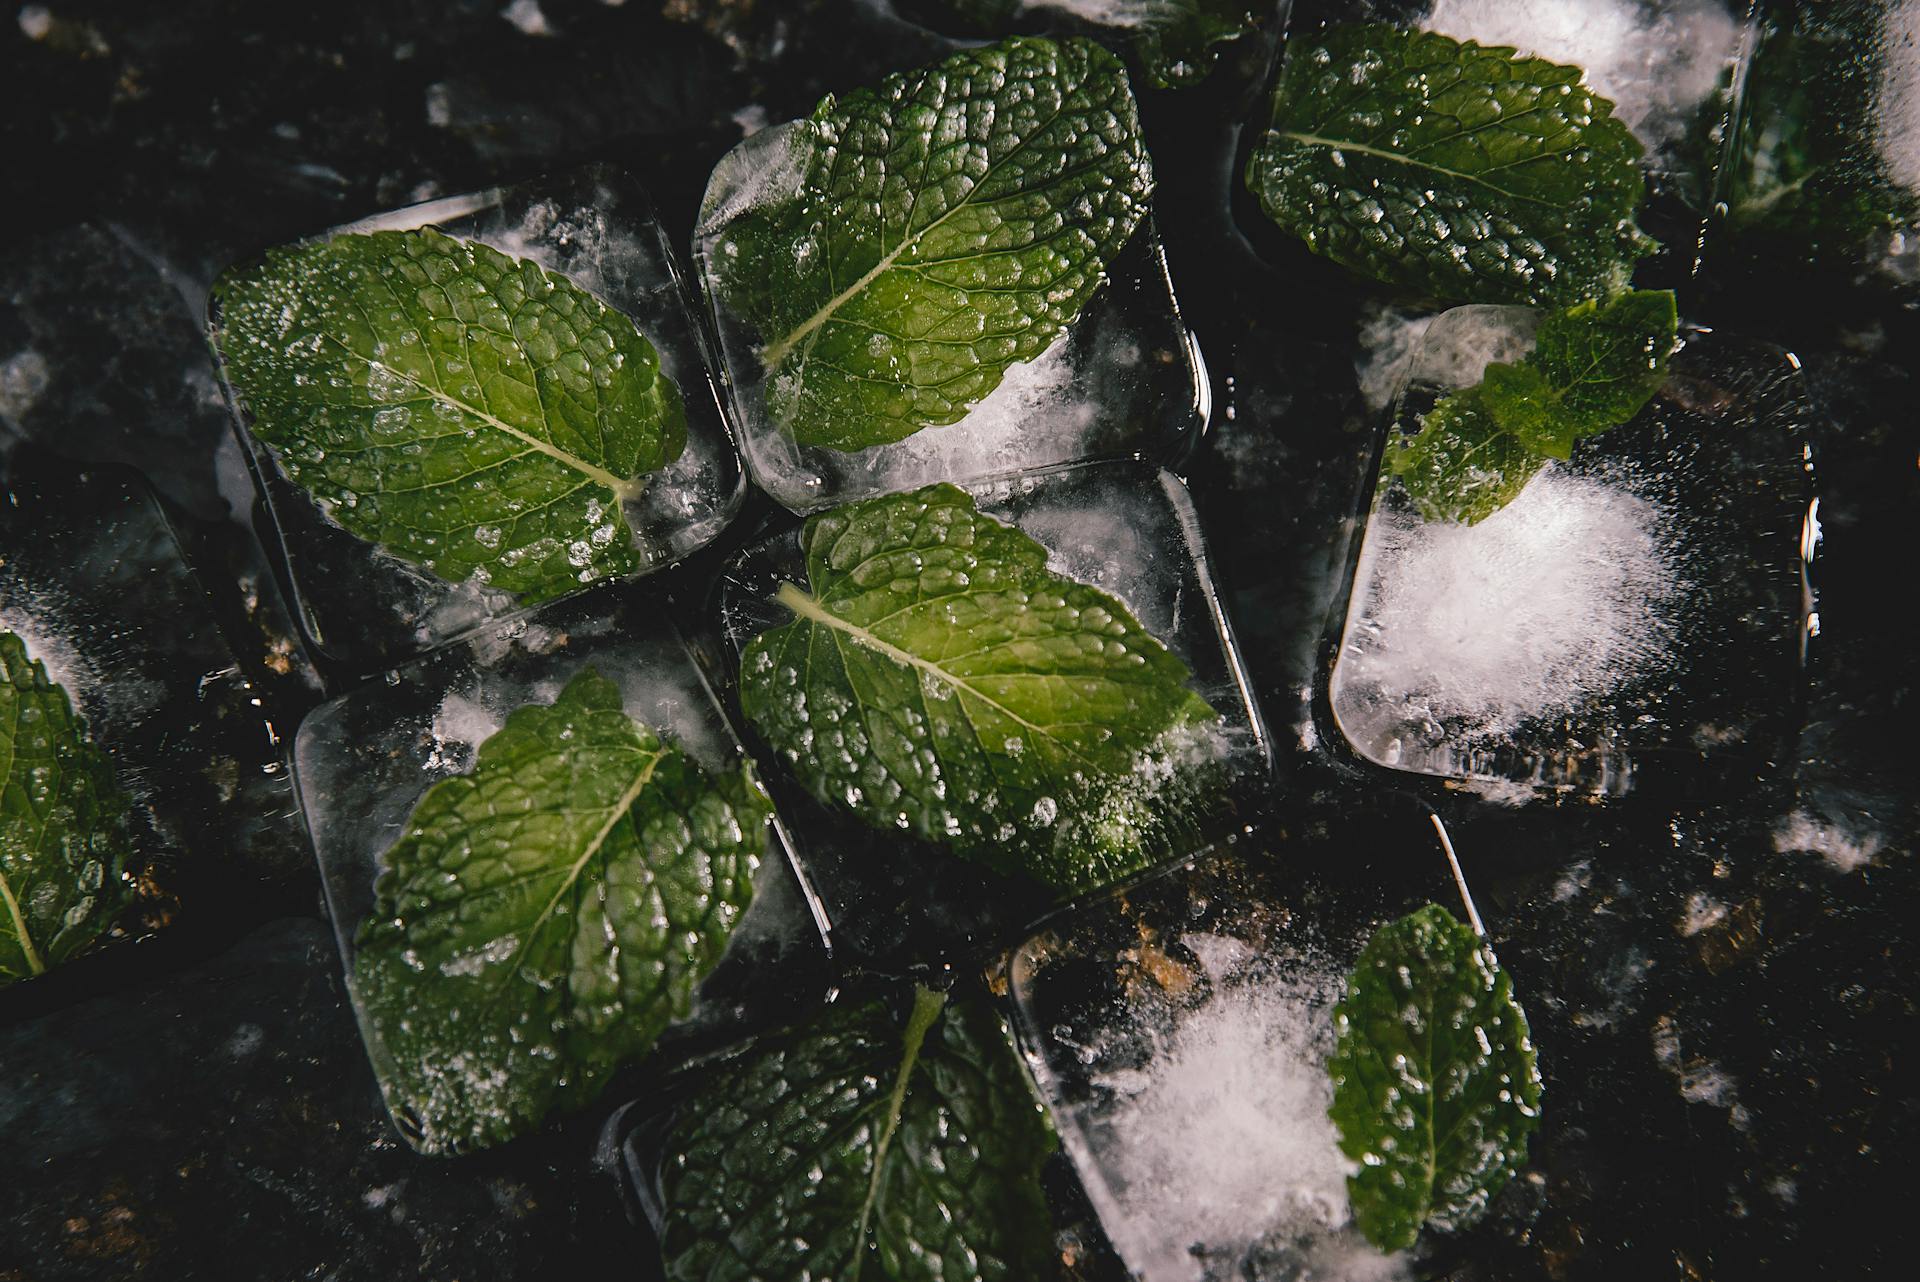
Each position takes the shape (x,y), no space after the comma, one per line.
(1457,170)
(859,1149)
(938,677)
(62,843)
(547,915)
(943,226)
(1593,367)
(1436,1086)
(469,412)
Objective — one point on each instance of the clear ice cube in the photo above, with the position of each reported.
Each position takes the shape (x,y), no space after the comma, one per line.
(1644,604)
(363,761)
(364,610)
(1124,380)
(1127,528)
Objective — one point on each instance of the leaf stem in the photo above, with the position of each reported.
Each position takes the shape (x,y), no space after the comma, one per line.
(927,1004)
(1459,878)
(34,960)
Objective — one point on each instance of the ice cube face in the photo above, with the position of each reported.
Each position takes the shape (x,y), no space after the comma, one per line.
(1127,528)
(93,581)
(1178,1035)
(363,761)
(365,610)
(1124,380)
(1638,615)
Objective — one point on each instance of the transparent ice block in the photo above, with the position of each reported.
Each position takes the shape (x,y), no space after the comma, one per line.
(1129,529)
(1125,379)
(92,579)
(363,761)
(1637,616)
(1178,1033)
(366,610)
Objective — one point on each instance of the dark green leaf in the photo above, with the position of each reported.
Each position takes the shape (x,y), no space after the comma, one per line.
(859,1149)
(63,842)
(1593,366)
(938,677)
(468,412)
(1178,41)
(546,916)
(941,227)
(1456,170)
(1435,1083)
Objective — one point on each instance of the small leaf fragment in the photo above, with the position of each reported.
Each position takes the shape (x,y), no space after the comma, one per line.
(937,677)
(939,228)
(63,840)
(470,413)
(544,917)
(1435,1082)
(860,1146)
(1461,171)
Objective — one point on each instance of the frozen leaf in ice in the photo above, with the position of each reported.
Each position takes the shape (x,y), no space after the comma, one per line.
(855,1147)
(469,412)
(62,839)
(1435,1083)
(1176,41)
(544,917)
(941,227)
(1458,170)
(938,677)
(1593,367)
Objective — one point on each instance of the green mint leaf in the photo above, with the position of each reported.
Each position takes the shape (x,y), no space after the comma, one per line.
(937,677)
(857,1148)
(469,412)
(1178,41)
(1435,1083)
(945,225)
(1593,367)
(546,916)
(1462,466)
(62,844)
(1458,170)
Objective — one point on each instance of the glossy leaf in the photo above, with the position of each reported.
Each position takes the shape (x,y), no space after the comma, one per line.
(471,413)
(63,841)
(937,677)
(546,916)
(1593,367)
(931,232)
(1456,170)
(859,1148)
(1436,1086)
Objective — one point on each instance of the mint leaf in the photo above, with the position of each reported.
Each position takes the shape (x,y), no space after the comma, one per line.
(1435,1083)
(937,677)
(1461,171)
(62,843)
(1178,41)
(546,916)
(1593,367)
(857,1148)
(945,225)
(469,412)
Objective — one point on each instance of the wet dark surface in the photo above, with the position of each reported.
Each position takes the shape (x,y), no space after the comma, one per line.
(1724,993)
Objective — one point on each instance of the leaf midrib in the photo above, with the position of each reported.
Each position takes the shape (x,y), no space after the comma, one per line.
(623,490)
(1365,149)
(808,607)
(927,1005)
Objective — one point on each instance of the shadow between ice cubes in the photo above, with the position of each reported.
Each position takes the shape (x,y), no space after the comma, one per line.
(1127,528)
(363,761)
(1637,618)
(363,609)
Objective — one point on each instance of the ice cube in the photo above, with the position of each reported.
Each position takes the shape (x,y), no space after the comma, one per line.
(1125,379)
(1643,599)
(364,610)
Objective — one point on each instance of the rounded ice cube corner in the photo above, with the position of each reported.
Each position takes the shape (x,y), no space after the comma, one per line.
(533,411)
(1634,617)
(598,704)
(1123,379)
(892,882)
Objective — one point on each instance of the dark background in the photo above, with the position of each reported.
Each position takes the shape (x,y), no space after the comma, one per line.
(1737,1102)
